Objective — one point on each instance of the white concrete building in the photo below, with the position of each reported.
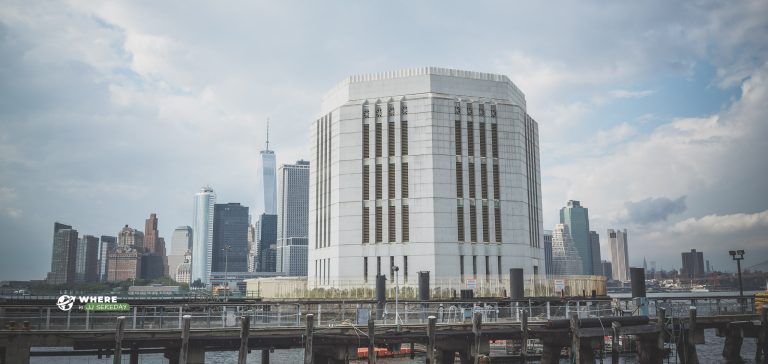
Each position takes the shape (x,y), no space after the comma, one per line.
(202,235)
(292,218)
(427,169)
(181,242)
(566,260)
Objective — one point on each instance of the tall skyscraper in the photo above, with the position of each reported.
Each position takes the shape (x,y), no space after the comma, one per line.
(293,218)
(64,256)
(269,190)
(594,241)
(267,242)
(548,252)
(619,254)
(607,270)
(577,219)
(565,257)
(230,238)
(87,266)
(434,144)
(693,264)
(108,243)
(181,242)
(155,260)
(202,235)
(252,248)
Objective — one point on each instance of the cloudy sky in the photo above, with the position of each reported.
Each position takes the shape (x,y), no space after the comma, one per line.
(652,113)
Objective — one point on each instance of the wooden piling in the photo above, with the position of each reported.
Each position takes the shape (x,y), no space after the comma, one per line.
(733,342)
(477,322)
(186,324)
(575,354)
(245,328)
(761,356)
(119,340)
(524,332)
(686,345)
(308,357)
(265,356)
(431,326)
(615,342)
(371,341)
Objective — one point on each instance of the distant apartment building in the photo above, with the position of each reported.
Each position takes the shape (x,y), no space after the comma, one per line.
(292,219)
(693,264)
(230,238)
(181,243)
(619,254)
(107,244)
(64,255)
(607,270)
(594,241)
(548,252)
(124,262)
(267,243)
(87,266)
(155,261)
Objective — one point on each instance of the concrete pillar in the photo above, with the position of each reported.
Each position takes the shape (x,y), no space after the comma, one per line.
(196,354)
(17,351)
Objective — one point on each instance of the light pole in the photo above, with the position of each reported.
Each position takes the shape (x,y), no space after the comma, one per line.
(738,255)
(226,250)
(397,291)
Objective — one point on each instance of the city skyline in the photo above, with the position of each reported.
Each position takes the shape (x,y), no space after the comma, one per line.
(650,113)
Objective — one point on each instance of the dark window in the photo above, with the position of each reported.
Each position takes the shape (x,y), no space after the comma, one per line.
(470,139)
(461,267)
(459,180)
(366,227)
(404,137)
(378,182)
(391,138)
(366,182)
(482,139)
(391,268)
(391,181)
(366,141)
(378,139)
(378,266)
(405,225)
(474,265)
(457,137)
(405,268)
(365,269)
(404,180)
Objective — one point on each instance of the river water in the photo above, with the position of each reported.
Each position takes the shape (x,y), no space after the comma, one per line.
(710,352)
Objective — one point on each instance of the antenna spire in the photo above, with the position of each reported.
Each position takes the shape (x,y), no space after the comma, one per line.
(267,133)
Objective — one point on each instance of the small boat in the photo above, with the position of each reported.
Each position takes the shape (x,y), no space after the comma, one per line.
(699,288)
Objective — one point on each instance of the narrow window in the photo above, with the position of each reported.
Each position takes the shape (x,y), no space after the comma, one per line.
(482,139)
(392,226)
(365,269)
(459,180)
(404,180)
(457,136)
(378,266)
(391,181)
(378,224)
(366,141)
(391,138)
(366,181)
(378,182)
(483,180)
(486,223)
(496,187)
(461,267)
(494,141)
(378,139)
(498,266)
(460,220)
(391,268)
(472,222)
(487,268)
(366,226)
(497,216)
(470,139)
(474,266)
(404,137)
(471,180)
(404,216)
(405,268)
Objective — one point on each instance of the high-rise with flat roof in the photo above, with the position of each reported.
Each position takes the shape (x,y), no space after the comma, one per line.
(64,256)
(202,235)
(292,218)
(577,219)
(230,238)
(426,169)
(548,252)
(87,266)
(693,264)
(594,241)
(619,254)
(181,242)
(107,244)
